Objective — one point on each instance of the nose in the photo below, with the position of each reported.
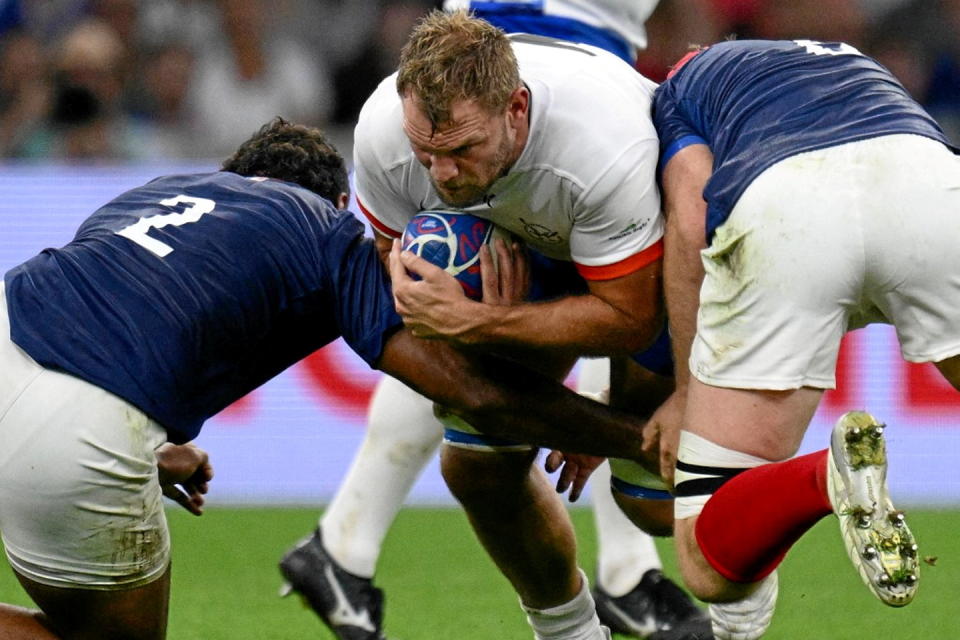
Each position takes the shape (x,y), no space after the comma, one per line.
(443,168)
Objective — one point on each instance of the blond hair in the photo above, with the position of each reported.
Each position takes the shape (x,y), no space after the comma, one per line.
(456,56)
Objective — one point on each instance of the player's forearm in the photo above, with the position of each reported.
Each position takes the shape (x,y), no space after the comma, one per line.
(583,325)
(507,400)
(514,403)
(546,414)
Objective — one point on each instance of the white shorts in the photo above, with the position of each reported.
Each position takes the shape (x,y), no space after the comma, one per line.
(80,502)
(828,241)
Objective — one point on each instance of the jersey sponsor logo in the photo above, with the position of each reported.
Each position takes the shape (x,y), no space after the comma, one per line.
(630,229)
(540,232)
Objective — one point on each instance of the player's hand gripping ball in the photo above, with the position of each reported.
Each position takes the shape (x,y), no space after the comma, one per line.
(452,241)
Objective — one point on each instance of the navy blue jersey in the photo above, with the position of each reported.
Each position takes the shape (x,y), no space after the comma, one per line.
(183,295)
(755,103)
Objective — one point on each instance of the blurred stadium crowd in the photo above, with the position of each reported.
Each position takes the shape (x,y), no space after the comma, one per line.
(160,80)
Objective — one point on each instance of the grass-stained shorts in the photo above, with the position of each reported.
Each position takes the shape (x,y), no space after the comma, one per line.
(80,502)
(824,242)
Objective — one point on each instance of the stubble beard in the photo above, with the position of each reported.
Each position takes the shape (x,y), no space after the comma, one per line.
(475,193)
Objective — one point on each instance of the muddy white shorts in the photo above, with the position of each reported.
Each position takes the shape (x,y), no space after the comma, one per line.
(828,241)
(80,503)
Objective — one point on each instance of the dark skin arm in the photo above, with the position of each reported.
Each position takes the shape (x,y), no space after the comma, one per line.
(505,399)
(184,472)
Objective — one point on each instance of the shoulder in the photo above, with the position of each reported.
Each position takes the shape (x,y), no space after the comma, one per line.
(583,77)
(378,136)
(585,123)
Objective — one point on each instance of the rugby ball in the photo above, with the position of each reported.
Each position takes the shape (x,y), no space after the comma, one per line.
(452,241)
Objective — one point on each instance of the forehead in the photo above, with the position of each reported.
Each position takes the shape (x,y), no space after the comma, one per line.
(469,123)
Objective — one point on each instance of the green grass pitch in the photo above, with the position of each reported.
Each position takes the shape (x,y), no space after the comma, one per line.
(441,586)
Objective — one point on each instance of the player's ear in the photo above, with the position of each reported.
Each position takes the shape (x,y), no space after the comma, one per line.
(342,200)
(519,103)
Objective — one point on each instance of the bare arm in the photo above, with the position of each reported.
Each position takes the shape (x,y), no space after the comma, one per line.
(617,317)
(504,399)
(684,179)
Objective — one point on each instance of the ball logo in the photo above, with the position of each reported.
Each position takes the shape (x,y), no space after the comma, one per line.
(451,241)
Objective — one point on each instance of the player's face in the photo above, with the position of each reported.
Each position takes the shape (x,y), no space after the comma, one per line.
(468,154)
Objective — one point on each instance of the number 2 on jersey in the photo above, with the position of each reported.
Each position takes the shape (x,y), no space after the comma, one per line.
(828,49)
(193,209)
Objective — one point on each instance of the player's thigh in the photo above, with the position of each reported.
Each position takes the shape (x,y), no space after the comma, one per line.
(80,503)
(85,614)
(761,423)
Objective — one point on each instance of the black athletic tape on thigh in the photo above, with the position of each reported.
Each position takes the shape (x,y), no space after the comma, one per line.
(725,472)
(703,486)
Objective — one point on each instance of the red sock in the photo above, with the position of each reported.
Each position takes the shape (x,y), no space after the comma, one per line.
(748,525)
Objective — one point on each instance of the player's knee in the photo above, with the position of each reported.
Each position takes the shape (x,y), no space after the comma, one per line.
(473,476)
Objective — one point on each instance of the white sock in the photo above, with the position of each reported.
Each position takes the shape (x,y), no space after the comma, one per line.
(402,435)
(624,551)
(573,620)
(749,618)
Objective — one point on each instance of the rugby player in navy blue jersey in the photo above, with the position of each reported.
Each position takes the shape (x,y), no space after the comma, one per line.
(172,301)
(806,195)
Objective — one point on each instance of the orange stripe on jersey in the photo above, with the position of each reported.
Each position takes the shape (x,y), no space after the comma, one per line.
(625,267)
(379,226)
(684,60)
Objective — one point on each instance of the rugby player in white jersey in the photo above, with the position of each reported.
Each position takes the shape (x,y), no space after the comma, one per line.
(573,188)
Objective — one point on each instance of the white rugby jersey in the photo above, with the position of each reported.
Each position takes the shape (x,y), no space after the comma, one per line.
(626,18)
(583,189)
